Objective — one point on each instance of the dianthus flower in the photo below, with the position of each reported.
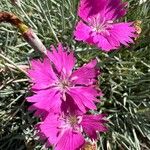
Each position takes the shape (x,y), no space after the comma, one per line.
(54,78)
(68,131)
(99,24)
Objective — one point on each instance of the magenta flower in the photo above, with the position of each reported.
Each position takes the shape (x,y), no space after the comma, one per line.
(99,27)
(68,132)
(54,79)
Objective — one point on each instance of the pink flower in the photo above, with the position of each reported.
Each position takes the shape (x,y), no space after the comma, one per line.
(54,79)
(68,132)
(99,27)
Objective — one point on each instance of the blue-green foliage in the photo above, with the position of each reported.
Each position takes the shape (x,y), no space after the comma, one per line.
(125,78)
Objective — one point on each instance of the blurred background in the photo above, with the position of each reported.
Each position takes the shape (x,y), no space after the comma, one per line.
(125,78)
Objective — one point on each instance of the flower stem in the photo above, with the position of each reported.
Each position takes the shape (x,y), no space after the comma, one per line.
(49,23)
(12,63)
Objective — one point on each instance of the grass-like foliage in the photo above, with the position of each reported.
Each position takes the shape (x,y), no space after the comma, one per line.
(125,78)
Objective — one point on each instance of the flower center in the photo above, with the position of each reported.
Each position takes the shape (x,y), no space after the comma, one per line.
(63,84)
(99,24)
(71,121)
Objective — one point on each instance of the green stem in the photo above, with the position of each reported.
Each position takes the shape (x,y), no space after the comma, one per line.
(12,63)
(51,28)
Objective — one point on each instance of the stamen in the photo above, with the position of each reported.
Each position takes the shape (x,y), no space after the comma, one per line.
(99,24)
(63,84)
(71,121)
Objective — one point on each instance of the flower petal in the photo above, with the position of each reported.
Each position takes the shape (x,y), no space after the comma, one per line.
(103,43)
(88,8)
(49,129)
(93,123)
(109,9)
(70,140)
(41,74)
(63,61)
(123,33)
(120,33)
(115,9)
(82,32)
(84,97)
(86,75)
(45,101)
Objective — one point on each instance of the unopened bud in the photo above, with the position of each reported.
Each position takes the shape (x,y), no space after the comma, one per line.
(137,25)
(89,146)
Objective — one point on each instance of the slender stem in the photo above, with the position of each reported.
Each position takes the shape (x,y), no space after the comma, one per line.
(28,17)
(12,63)
(51,28)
